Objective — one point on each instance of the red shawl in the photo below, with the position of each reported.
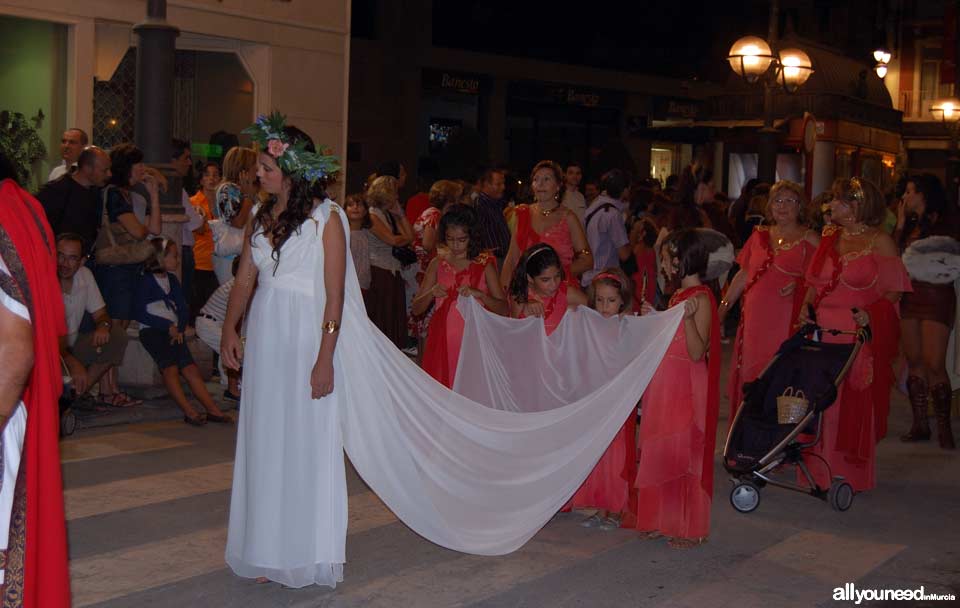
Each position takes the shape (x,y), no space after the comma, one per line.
(883,348)
(24,229)
(714,355)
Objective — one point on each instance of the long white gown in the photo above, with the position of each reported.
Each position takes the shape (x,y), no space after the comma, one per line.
(480,470)
(288,508)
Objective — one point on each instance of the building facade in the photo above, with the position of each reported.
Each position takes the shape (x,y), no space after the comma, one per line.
(75,63)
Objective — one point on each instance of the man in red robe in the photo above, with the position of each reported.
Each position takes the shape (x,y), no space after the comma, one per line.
(33,563)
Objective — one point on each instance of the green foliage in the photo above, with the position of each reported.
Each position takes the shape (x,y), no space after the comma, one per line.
(21,142)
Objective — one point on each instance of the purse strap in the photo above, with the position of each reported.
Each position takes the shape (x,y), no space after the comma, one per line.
(106,217)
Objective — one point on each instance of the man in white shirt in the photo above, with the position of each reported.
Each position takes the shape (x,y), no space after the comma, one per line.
(88,356)
(605,227)
(572,199)
(72,143)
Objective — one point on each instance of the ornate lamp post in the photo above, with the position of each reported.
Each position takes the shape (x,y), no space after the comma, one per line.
(757,60)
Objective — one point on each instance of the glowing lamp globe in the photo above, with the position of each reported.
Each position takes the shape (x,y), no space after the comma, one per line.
(946,110)
(750,57)
(795,68)
(881,70)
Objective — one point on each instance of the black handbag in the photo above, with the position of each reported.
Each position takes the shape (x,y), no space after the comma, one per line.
(404,255)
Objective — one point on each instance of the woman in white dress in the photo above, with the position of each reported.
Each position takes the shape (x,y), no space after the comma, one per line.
(288,510)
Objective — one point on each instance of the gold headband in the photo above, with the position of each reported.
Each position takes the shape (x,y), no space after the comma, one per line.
(857,187)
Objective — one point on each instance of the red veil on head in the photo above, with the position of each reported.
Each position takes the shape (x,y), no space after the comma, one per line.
(27,245)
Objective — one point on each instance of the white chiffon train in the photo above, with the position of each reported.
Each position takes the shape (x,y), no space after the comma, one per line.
(478,471)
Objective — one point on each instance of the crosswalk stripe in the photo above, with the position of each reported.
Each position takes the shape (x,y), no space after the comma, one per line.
(116,444)
(147,490)
(814,562)
(118,573)
(465,579)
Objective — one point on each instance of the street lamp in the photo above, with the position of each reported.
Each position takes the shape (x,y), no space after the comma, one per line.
(946,110)
(882,57)
(757,60)
(750,58)
(795,68)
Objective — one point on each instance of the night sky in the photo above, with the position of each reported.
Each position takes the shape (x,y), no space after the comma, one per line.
(679,38)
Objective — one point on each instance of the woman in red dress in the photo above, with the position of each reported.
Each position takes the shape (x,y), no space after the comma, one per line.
(461,269)
(678,427)
(610,484)
(929,312)
(855,279)
(539,288)
(548,221)
(770,280)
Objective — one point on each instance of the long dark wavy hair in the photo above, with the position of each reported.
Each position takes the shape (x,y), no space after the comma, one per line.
(936,205)
(532,264)
(462,216)
(299,204)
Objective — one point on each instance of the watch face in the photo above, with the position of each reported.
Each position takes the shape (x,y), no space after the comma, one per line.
(809,135)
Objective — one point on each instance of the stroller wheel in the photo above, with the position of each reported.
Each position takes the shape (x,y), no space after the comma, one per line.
(68,423)
(745,496)
(840,495)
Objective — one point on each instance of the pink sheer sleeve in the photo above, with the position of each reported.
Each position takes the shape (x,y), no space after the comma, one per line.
(892,274)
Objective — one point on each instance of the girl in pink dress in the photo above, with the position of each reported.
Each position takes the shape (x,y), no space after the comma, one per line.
(461,269)
(770,280)
(678,426)
(548,221)
(609,488)
(539,288)
(426,237)
(855,279)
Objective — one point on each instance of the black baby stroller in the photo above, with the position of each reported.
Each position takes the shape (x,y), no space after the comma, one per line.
(781,405)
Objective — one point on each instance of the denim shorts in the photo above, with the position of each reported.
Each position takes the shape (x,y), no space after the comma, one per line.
(118,286)
(157,343)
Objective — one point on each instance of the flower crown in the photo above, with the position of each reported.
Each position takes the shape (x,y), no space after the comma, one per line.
(292,157)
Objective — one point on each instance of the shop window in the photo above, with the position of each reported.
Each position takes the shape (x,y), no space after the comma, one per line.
(661,163)
(441,131)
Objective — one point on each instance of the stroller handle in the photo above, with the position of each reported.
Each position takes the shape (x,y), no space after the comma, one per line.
(863,334)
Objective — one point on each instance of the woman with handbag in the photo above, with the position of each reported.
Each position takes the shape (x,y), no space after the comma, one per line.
(235,198)
(122,244)
(389,252)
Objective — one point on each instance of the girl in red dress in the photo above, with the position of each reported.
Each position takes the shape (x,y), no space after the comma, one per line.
(548,221)
(770,280)
(460,269)
(608,488)
(855,279)
(643,235)
(678,426)
(539,288)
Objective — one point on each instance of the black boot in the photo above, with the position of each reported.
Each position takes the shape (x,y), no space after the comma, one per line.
(917,389)
(941,394)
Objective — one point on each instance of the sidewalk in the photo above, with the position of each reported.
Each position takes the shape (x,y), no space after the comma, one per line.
(156,407)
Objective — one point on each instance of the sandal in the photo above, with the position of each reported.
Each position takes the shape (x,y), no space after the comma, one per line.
(199,420)
(649,535)
(219,418)
(120,399)
(685,543)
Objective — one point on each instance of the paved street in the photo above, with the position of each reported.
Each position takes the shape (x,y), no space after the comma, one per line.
(147,506)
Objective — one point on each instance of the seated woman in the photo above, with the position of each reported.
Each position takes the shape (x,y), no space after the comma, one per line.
(209,326)
(539,288)
(162,312)
(461,269)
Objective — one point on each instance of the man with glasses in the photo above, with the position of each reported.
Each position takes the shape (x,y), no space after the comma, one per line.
(89,355)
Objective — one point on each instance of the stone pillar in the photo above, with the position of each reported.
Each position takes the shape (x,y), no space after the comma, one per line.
(156,55)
